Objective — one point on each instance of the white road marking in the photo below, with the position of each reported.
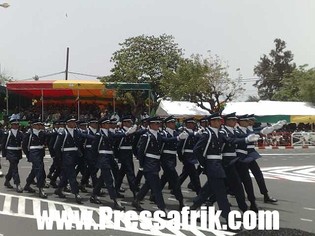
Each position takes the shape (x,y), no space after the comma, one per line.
(310,209)
(308,220)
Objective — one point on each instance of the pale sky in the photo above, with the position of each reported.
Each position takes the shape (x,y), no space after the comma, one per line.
(34,34)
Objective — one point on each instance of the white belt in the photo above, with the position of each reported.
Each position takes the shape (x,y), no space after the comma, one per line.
(37,147)
(153,156)
(229,154)
(88,146)
(126,148)
(189,150)
(14,148)
(241,151)
(70,149)
(250,146)
(169,152)
(105,152)
(211,157)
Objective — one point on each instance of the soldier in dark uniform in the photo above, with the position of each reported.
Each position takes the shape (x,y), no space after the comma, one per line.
(102,148)
(124,154)
(169,156)
(34,149)
(208,151)
(82,162)
(253,165)
(187,156)
(149,154)
(88,155)
(68,147)
(142,129)
(12,151)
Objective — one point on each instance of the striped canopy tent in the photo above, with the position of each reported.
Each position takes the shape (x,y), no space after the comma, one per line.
(62,91)
(272,111)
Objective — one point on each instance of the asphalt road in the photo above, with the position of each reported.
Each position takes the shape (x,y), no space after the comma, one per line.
(289,174)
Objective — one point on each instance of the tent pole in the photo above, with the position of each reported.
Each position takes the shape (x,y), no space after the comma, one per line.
(78,103)
(42,98)
(67,64)
(7,99)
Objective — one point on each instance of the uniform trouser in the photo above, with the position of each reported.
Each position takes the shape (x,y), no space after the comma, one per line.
(170,175)
(53,166)
(256,171)
(139,177)
(190,170)
(107,178)
(127,167)
(217,186)
(57,171)
(242,169)
(82,166)
(68,173)
(91,171)
(153,182)
(236,186)
(13,172)
(115,169)
(38,172)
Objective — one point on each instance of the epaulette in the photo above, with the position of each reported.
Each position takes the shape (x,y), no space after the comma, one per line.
(98,134)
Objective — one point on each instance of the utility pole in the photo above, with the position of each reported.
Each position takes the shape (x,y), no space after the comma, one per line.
(67,63)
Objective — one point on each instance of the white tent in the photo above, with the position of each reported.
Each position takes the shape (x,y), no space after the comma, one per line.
(179,109)
(270,108)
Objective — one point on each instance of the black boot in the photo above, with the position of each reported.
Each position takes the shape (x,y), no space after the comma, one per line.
(119,195)
(94,199)
(78,199)
(118,206)
(19,189)
(29,189)
(59,192)
(136,204)
(268,199)
(253,207)
(42,194)
(83,189)
(7,184)
(53,184)
(181,205)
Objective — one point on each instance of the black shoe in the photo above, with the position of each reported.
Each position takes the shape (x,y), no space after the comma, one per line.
(83,189)
(94,199)
(253,207)
(152,198)
(34,182)
(121,190)
(118,206)
(136,204)
(181,205)
(119,195)
(268,199)
(42,194)
(8,185)
(60,193)
(191,186)
(19,189)
(49,175)
(46,185)
(29,189)
(101,193)
(53,184)
(67,189)
(78,199)
(89,185)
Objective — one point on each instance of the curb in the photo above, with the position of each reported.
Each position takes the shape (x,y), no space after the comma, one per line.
(286,147)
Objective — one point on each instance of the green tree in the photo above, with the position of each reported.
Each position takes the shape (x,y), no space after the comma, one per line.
(272,69)
(252,99)
(202,80)
(144,59)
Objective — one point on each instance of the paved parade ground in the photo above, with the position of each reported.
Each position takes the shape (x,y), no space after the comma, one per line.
(289,174)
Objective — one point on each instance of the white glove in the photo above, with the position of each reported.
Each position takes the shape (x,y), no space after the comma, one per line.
(267,130)
(200,131)
(183,135)
(283,122)
(278,125)
(131,130)
(252,138)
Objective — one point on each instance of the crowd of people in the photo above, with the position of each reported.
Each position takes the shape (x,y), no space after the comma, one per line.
(86,155)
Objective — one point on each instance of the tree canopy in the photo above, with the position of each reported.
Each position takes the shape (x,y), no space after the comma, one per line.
(272,69)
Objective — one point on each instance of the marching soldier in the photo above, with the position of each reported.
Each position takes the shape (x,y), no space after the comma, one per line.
(125,155)
(68,147)
(12,151)
(88,155)
(149,154)
(187,156)
(34,149)
(102,148)
(169,156)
